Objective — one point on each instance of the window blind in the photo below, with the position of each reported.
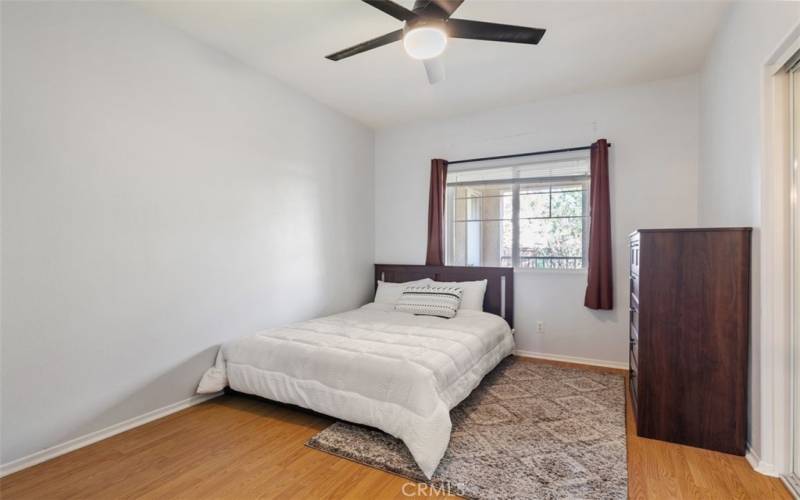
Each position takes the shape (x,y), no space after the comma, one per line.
(566,168)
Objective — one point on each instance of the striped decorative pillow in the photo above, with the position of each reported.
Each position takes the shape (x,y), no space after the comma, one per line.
(442,301)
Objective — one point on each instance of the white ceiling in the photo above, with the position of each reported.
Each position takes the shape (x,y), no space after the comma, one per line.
(587,45)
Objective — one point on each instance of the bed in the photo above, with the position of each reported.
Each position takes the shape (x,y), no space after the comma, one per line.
(375,366)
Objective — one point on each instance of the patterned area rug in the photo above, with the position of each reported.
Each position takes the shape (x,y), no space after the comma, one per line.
(529,430)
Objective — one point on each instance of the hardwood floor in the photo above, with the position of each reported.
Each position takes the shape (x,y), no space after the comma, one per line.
(238,447)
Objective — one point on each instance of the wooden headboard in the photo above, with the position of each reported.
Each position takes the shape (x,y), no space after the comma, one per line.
(499,298)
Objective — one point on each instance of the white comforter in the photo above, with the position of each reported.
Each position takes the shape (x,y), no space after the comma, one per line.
(391,370)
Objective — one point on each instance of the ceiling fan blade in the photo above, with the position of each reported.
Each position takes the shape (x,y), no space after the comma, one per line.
(368,45)
(436,8)
(435,70)
(478,30)
(393,9)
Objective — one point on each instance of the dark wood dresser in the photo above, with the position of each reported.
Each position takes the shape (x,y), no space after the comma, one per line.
(689,332)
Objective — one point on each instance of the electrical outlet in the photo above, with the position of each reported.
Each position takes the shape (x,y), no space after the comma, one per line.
(540,327)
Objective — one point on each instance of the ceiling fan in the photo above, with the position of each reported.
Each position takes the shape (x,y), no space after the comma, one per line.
(428,26)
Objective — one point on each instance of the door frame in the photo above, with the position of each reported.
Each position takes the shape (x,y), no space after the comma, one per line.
(792,476)
(775,247)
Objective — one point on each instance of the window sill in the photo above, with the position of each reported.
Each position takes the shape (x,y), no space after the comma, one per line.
(528,270)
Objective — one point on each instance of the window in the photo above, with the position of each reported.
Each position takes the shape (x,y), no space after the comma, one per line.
(533,215)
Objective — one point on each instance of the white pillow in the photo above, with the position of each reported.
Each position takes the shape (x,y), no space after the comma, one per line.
(389,293)
(473,293)
(428,300)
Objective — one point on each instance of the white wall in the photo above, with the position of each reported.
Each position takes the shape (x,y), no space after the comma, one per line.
(732,138)
(158,198)
(731,107)
(654,130)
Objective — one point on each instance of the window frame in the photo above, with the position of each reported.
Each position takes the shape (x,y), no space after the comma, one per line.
(515,184)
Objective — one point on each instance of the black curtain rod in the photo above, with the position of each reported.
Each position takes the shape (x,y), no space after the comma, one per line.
(534,153)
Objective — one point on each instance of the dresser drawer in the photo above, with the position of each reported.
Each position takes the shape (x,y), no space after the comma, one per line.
(633,380)
(634,345)
(634,313)
(635,286)
(635,255)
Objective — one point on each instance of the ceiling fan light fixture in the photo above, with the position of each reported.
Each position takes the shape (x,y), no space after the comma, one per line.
(425,42)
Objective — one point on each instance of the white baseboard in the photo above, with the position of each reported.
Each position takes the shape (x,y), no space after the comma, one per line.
(758,465)
(792,483)
(93,437)
(572,359)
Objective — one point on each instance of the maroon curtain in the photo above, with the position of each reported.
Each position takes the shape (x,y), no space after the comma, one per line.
(599,289)
(435,256)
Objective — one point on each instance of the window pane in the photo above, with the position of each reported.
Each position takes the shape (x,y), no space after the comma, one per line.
(551,243)
(534,201)
(481,243)
(482,202)
(567,201)
(478,191)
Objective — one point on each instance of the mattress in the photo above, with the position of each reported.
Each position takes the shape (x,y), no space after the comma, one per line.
(391,370)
